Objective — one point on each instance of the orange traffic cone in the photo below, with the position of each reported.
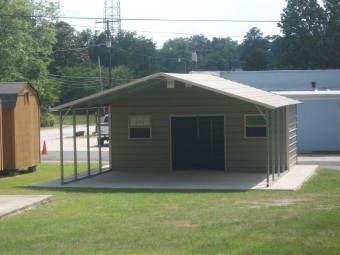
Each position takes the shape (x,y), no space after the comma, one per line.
(44,150)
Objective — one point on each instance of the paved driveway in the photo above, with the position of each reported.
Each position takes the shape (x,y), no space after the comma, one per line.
(323,160)
(51,136)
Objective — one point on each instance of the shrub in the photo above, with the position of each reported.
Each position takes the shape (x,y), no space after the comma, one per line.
(47,120)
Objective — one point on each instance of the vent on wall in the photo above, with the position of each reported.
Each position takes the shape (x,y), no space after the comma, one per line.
(170,84)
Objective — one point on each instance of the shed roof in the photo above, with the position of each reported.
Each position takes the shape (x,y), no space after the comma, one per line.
(204,81)
(9,92)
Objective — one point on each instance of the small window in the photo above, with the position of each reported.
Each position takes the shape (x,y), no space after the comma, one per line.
(140,127)
(27,98)
(255,126)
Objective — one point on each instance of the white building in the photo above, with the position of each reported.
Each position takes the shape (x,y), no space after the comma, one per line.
(319,90)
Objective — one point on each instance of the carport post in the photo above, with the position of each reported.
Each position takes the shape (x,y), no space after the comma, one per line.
(75,146)
(278,142)
(284,141)
(88,142)
(273,145)
(61,147)
(99,142)
(268,146)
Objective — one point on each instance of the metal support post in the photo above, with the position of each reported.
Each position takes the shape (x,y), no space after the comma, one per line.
(61,147)
(75,145)
(273,145)
(88,142)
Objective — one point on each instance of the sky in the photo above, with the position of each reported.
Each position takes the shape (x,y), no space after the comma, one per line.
(181,9)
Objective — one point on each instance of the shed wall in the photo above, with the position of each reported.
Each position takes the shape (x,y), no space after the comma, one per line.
(27,130)
(292,135)
(161,103)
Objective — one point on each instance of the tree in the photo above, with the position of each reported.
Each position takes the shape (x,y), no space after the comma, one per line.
(70,50)
(77,82)
(175,56)
(27,35)
(223,55)
(331,40)
(257,61)
(302,24)
(253,47)
(128,49)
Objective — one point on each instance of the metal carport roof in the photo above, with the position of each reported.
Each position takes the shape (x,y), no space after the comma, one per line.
(204,81)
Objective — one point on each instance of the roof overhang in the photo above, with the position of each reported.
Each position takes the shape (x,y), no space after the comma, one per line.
(311,95)
(203,81)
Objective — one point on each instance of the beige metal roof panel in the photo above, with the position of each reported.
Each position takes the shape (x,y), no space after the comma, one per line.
(236,90)
(204,81)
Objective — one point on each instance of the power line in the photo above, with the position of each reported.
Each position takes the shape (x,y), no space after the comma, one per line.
(145,19)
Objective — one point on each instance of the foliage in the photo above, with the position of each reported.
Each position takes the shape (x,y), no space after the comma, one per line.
(175,56)
(254,51)
(26,43)
(213,55)
(78,82)
(331,42)
(257,61)
(128,49)
(69,50)
(302,23)
(47,120)
(89,221)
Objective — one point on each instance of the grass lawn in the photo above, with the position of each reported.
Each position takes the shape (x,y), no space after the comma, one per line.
(140,222)
(80,120)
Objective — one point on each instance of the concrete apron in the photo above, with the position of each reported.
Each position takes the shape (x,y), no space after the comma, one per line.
(13,204)
(191,180)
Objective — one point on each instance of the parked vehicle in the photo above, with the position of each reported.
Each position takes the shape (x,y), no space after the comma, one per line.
(103,131)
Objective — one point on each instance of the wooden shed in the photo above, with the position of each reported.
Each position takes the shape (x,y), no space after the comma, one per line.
(178,122)
(19,127)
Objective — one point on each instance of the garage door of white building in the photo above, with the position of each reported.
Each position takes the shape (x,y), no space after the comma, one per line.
(318,125)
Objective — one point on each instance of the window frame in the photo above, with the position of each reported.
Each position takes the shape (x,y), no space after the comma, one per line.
(136,127)
(26,98)
(245,126)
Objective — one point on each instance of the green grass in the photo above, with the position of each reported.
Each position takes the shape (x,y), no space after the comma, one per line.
(140,222)
(68,120)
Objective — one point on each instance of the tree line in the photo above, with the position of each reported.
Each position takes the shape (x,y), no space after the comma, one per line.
(65,64)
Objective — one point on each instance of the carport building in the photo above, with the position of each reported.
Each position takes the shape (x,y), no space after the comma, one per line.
(176,122)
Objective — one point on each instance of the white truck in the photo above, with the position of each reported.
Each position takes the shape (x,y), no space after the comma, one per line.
(103,131)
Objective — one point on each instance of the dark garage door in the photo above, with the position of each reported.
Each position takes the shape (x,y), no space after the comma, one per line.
(197,143)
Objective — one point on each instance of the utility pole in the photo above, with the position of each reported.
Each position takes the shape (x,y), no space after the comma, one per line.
(100,74)
(108,46)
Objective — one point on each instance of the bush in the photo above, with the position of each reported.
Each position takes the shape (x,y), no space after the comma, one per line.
(47,120)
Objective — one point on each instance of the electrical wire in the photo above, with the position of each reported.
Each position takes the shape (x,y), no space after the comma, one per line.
(145,19)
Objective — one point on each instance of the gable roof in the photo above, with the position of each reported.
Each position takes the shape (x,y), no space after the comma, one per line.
(204,81)
(9,92)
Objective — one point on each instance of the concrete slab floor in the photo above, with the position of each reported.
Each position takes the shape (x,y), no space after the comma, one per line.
(13,204)
(191,180)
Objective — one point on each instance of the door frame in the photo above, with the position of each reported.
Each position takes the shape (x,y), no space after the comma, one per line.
(198,115)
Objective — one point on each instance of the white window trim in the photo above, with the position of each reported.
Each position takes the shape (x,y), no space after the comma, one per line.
(245,127)
(141,138)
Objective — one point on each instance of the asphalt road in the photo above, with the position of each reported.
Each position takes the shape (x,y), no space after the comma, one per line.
(51,137)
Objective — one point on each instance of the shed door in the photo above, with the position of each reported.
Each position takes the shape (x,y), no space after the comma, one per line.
(197,143)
